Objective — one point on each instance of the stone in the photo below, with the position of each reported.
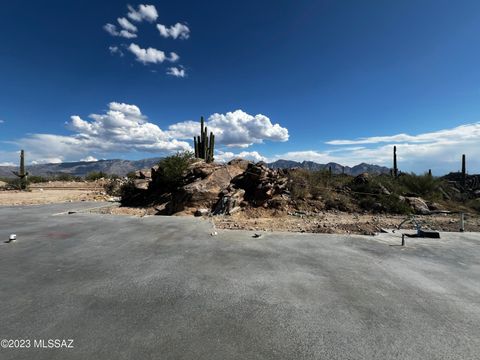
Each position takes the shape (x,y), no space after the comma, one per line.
(363,178)
(141,184)
(418,205)
(202,212)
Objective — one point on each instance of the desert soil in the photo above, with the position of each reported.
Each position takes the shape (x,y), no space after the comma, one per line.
(330,222)
(54,192)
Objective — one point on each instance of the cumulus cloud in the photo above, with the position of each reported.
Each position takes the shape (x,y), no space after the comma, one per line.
(143,12)
(89,159)
(127,25)
(226,156)
(115,50)
(236,129)
(8,163)
(177,31)
(177,72)
(122,128)
(112,30)
(151,55)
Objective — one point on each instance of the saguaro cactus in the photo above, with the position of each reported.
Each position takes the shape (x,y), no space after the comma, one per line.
(395,168)
(22,174)
(203,144)
(464,170)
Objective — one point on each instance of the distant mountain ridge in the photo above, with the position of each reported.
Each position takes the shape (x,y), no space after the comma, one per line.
(82,168)
(123,167)
(336,168)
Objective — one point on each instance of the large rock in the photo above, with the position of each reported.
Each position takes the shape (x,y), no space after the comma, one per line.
(418,205)
(141,184)
(361,179)
(205,190)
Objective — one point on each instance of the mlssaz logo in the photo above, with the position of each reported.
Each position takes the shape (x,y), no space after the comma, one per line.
(53,343)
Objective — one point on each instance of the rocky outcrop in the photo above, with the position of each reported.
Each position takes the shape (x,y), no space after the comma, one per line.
(220,188)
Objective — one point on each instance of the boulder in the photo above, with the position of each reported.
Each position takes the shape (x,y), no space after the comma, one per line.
(204,192)
(361,179)
(418,205)
(240,163)
(141,184)
(202,212)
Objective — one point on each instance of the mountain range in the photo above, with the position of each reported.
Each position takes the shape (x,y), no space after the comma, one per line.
(122,167)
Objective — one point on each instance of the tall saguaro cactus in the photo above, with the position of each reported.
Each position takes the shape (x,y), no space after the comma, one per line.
(203,144)
(464,170)
(395,168)
(22,174)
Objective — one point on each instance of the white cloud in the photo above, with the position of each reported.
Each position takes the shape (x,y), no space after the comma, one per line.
(51,160)
(122,128)
(143,12)
(115,50)
(180,31)
(127,25)
(235,128)
(464,132)
(151,55)
(112,30)
(1,121)
(440,151)
(305,155)
(89,159)
(177,72)
(7,164)
(222,156)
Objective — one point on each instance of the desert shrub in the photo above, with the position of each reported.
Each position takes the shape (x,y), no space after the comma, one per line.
(113,177)
(474,204)
(338,202)
(298,184)
(66,177)
(172,169)
(421,185)
(131,175)
(37,179)
(95,175)
(113,187)
(128,193)
(393,204)
(384,203)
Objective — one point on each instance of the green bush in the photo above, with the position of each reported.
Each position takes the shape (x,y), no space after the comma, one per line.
(421,185)
(172,169)
(95,175)
(36,179)
(298,184)
(131,175)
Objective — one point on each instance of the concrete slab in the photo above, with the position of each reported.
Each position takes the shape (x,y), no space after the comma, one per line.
(164,288)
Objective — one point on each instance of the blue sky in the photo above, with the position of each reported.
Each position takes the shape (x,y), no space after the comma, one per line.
(302,80)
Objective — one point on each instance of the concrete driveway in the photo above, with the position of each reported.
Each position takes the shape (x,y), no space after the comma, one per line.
(164,288)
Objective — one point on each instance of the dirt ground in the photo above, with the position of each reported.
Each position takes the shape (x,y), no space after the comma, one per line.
(54,192)
(339,222)
(330,222)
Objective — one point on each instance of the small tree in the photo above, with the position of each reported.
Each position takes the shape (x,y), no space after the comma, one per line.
(172,169)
